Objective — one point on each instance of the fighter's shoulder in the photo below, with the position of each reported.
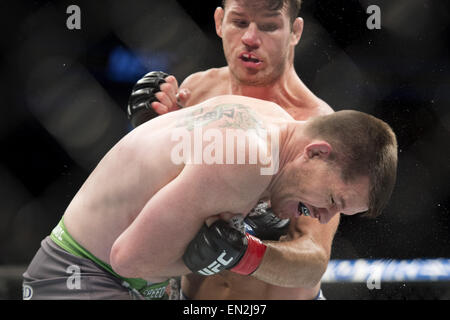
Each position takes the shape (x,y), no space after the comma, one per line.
(205,84)
(321,107)
(202,77)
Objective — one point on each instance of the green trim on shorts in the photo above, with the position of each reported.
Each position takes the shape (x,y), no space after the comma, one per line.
(151,291)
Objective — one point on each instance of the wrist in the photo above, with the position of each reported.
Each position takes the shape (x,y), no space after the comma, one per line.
(252,257)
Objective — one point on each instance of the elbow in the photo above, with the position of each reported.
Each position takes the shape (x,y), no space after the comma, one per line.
(129,265)
(312,272)
(314,280)
(318,268)
(121,262)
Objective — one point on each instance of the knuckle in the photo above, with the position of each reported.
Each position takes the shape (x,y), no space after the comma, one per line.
(160,95)
(168,89)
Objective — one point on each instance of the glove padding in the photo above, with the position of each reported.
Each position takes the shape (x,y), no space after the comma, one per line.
(264,224)
(139,108)
(221,247)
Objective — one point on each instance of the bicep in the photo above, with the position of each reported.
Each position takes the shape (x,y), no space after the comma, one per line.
(300,258)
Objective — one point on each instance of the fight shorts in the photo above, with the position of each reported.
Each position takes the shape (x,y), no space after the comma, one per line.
(63,269)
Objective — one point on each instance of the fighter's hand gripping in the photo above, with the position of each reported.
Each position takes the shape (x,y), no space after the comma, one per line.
(156,93)
(221,247)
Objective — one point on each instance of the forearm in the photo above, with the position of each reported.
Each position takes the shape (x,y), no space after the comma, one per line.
(154,268)
(292,264)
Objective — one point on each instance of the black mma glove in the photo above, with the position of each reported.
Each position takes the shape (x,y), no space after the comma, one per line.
(221,247)
(264,224)
(143,94)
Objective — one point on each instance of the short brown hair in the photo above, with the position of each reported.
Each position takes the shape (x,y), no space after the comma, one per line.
(362,146)
(274,5)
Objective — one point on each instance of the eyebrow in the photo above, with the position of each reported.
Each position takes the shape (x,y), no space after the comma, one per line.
(236,13)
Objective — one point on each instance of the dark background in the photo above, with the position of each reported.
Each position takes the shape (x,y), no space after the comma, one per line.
(64,93)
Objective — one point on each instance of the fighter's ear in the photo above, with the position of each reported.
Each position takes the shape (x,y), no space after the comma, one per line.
(321,149)
(218,19)
(297,30)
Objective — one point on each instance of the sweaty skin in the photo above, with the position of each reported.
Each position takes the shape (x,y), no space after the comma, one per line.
(307,238)
(259,49)
(138,209)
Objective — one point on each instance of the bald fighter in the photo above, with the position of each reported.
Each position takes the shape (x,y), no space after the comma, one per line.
(135,221)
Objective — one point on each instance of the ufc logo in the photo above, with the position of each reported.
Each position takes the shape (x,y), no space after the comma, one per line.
(216,266)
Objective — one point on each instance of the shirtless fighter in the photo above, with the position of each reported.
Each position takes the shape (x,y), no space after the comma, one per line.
(132,224)
(259,39)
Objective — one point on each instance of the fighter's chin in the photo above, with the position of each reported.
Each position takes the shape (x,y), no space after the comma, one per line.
(251,80)
(254,77)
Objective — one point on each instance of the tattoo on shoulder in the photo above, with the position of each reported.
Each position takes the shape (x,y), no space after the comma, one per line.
(230,115)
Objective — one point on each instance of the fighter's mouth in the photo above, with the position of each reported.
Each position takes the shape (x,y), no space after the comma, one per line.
(302,209)
(248,57)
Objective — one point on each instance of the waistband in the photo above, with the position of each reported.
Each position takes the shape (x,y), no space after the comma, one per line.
(151,291)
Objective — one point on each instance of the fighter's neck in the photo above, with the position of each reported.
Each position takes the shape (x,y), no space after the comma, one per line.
(292,144)
(292,141)
(287,90)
